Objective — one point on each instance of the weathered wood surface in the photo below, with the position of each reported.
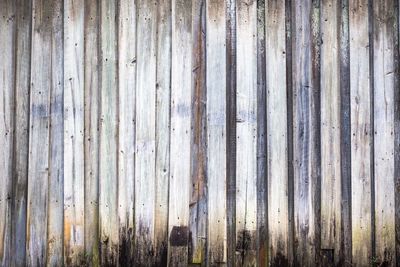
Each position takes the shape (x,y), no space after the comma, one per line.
(206,132)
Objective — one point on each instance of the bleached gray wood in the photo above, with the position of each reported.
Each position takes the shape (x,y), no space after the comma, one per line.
(384,65)
(216,130)
(92,108)
(181,97)
(108,158)
(21,128)
(246,133)
(277,145)
(7,80)
(126,130)
(330,129)
(145,130)
(360,93)
(74,120)
(162,123)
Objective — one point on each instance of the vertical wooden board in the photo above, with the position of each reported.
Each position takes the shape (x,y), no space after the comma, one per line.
(216,130)
(305,132)
(246,133)
(126,131)
(345,255)
(163,88)
(91,109)
(181,77)
(361,133)
(277,146)
(108,157)
(330,129)
(7,79)
(231,130)
(262,181)
(56,139)
(145,131)
(73,132)
(45,196)
(384,33)
(21,135)
(198,202)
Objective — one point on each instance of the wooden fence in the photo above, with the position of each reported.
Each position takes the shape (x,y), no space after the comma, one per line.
(209,132)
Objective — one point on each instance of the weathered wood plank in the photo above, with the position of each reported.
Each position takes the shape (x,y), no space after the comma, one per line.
(246,133)
(163,89)
(7,80)
(276,106)
(384,35)
(45,190)
(361,133)
(73,132)
(145,131)
(92,108)
(305,131)
(231,130)
(330,131)
(21,136)
(126,130)
(181,97)
(216,130)
(198,201)
(108,169)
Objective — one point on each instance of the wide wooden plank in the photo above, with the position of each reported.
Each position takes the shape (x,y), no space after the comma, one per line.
(163,89)
(108,169)
(145,131)
(180,132)
(74,186)
(330,131)
(21,137)
(126,130)
(385,33)
(277,144)
(45,185)
(92,108)
(7,80)
(216,130)
(360,93)
(198,201)
(305,131)
(246,133)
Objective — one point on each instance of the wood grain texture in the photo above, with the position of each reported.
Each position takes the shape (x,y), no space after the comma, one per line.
(360,93)
(305,131)
(126,131)
(384,45)
(163,90)
(246,133)
(198,221)
(145,159)
(330,130)
(92,126)
(74,121)
(216,131)
(180,133)
(7,80)
(21,128)
(277,147)
(108,157)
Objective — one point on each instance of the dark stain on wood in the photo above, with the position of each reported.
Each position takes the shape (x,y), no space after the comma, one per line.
(179,236)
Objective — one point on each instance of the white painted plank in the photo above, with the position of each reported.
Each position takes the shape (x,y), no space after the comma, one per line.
(216,130)
(179,185)
(360,133)
(277,145)
(73,131)
(145,130)
(246,133)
